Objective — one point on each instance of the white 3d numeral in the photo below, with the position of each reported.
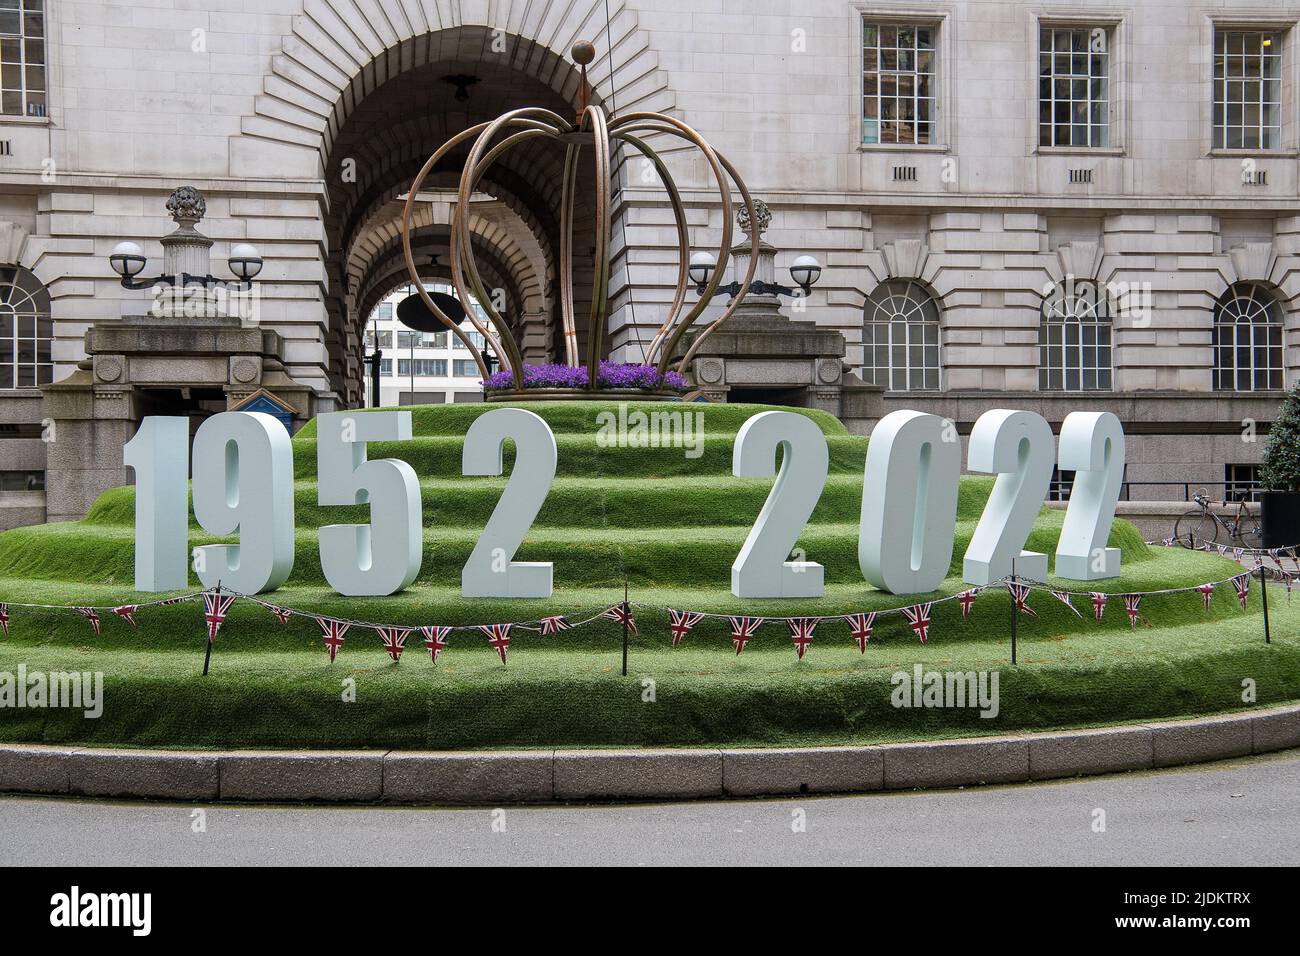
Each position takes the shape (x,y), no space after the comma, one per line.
(1018,448)
(160,456)
(909,503)
(760,569)
(1091,445)
(381,557)
(490,572)
(243,484)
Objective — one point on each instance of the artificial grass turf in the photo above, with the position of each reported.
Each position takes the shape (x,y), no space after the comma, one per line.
(673,538)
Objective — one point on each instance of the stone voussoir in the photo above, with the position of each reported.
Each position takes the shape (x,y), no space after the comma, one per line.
(26,768)
(1080,752)
(637,774)
(956,763)
(753,773)
(160,774)
(1207,738)
(487,777)
(326,776)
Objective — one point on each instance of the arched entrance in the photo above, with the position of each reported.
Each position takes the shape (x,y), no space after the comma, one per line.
(373,156)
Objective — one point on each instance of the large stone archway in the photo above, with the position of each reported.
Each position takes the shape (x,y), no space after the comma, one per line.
(369,99)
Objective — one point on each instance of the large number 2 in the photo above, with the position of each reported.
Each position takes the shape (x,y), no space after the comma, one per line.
(1017,447)
(381,557)
(490,572)
(760,569)
(243,483)
(1092,445)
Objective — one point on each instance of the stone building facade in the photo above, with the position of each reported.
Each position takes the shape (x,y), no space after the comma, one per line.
(950,163)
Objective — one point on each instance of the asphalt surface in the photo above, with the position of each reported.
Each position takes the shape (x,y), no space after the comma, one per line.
(1241,812)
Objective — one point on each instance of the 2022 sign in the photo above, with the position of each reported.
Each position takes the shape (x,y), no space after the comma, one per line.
(243,484)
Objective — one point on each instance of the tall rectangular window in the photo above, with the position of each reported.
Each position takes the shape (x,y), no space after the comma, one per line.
(22,57)
(1074,87)
(462,368)
(1247,89)
(899,88)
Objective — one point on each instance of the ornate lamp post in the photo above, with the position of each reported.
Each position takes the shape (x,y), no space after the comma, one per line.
(805,270)
(186,252)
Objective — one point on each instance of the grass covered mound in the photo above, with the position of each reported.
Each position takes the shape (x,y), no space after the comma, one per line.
(669,520)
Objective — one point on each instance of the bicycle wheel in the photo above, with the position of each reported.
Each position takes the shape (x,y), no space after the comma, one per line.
(1196,528)
(1250,533)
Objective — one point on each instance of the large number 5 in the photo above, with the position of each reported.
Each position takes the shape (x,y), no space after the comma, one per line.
(760,570)
(1017,447)
(490,572)
(381,557)
(1092,444)
(243,483)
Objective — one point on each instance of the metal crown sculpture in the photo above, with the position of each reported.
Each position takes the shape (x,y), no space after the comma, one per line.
(592,127)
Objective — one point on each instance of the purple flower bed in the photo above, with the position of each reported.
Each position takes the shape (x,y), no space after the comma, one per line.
(610,375)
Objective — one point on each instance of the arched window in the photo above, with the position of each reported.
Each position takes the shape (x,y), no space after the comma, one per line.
(900,337)
(1247,339)
(1074,339)
(26,330)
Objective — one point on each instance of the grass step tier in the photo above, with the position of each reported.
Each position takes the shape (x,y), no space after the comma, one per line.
(672,525)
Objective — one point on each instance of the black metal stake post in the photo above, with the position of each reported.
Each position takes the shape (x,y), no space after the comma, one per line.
(1263,593)
(207,651)
(1012,595)
(626,616)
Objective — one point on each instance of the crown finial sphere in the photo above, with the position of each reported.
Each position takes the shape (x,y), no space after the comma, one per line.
(583,52)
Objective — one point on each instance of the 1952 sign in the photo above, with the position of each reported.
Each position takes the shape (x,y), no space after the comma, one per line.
(243,484)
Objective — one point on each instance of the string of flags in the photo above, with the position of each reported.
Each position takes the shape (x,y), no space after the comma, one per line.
(217,603)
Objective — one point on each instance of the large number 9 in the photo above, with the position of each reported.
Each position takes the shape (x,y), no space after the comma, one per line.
(381,557)
(243,483)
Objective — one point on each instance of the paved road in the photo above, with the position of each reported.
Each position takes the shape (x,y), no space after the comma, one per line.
(1241,812)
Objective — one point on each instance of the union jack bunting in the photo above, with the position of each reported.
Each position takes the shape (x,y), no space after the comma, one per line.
(553,625)
(801,632)
(681,623)
(1131,602)
(333,631)
(127,612)
(91,615)
(1288,580)
(215,606)
(622,615)
(394,639)
(1098,603)
(1020,593)
(1242,583)
(435,640)
(1237,553)
(1223,550)
(175,600)
(1207,592)
(967,601)
(918,615)
(1064,598)
(742,630)
(4,619)
(498,637)
(283,613)
(860,625)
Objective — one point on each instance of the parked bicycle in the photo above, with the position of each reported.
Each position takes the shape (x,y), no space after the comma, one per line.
(1202,526)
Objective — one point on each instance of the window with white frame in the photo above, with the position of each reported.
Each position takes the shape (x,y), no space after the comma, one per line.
(1240,482)
(22,57)
(26,330)
(1074,86)
(1074,338)
(900,337)
(1247,339)
(1247,89)
(899,83)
